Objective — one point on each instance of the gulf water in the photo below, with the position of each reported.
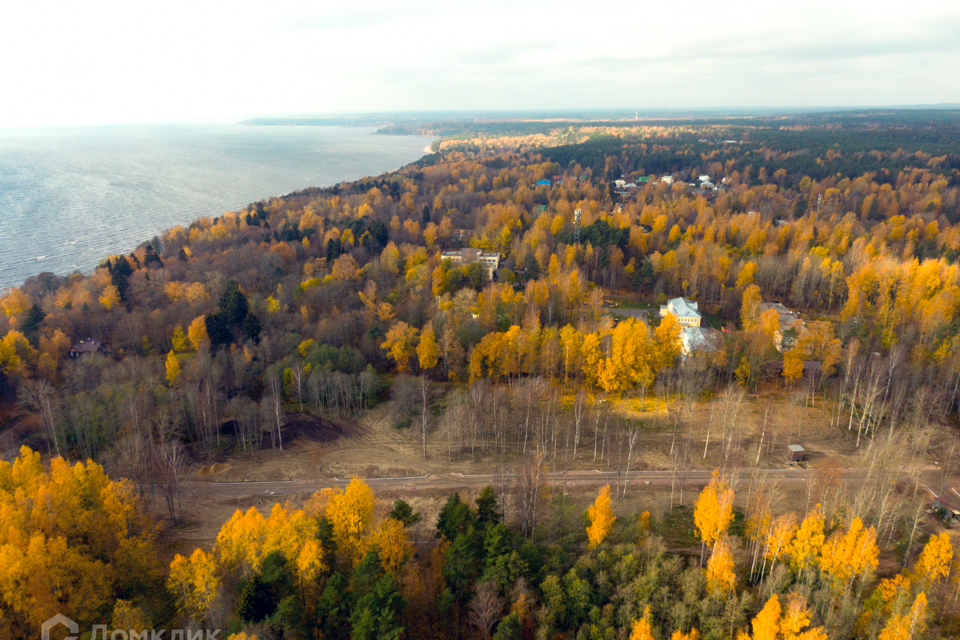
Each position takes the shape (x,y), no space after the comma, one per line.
(69,197)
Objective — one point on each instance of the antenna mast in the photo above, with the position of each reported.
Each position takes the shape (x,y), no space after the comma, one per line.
(576,226)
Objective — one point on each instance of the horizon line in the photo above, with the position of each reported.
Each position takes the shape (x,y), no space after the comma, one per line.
(572,113)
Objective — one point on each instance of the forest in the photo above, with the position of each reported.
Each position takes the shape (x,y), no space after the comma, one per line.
(222,338)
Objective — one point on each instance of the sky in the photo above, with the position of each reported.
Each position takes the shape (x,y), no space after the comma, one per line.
(103,62)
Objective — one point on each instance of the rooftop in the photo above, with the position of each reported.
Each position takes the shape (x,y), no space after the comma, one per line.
(701,339)
(683,308)
(88,345)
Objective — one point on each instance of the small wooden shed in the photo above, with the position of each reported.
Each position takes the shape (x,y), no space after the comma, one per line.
(797,453)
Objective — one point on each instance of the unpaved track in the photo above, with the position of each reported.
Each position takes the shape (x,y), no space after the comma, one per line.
(207,504)
(454,481)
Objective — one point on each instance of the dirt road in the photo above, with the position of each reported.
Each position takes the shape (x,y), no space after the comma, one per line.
(208,504)
(455,481)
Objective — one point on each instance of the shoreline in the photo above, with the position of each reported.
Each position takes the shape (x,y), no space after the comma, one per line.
(16,270)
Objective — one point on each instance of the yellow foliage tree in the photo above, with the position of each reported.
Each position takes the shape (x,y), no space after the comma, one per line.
(680,635)
(70,538)
(173,369)
(806,545)
(766,624)
(399,343)
(309,563)
(351,513)
(632,358)
(197,332)
(16,354)
(792,364)
(909,625)
(345,268)
(816,344)
(782,530)
(194,581)
(601,518)
(713,511)
(246,539)
(110,298)
(933,565)
(14,303)
(642,630)
(427,349)
(720,568)
(127,616)
(180,341)
(742,372)
(668,341)
(846,556)
(747,274)
(750,309)
(773,623)
(391,543)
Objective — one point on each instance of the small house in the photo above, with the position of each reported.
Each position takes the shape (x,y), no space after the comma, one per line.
(82,348)
(700,341)
(686,311)
(797,453)
(490,260)
(543,183)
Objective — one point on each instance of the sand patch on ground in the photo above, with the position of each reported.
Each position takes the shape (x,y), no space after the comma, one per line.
(213,469)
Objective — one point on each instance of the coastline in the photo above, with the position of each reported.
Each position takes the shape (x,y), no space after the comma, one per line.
(169,190)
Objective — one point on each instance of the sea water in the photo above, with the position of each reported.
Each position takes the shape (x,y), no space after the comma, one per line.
(69,197)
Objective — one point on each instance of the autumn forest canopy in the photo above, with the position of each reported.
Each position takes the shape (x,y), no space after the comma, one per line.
(300,317)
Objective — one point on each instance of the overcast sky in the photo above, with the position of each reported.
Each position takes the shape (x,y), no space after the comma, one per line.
(69,62)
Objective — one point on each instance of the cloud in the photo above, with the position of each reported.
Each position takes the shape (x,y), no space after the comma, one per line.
(120,61)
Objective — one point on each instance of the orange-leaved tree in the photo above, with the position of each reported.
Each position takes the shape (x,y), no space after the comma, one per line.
(197,332)
(713,511)
(775,623)
(400,342)
(808,541)
(720,568)
(194,581)
(246,539)
(601,518)
(849,555)
(908,625)
(173,369)
(782,530)
(427,348)
(70,540)
(356,532)
(641,629)
(933,565)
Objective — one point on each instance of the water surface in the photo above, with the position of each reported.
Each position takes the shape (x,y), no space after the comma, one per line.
(69,197)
